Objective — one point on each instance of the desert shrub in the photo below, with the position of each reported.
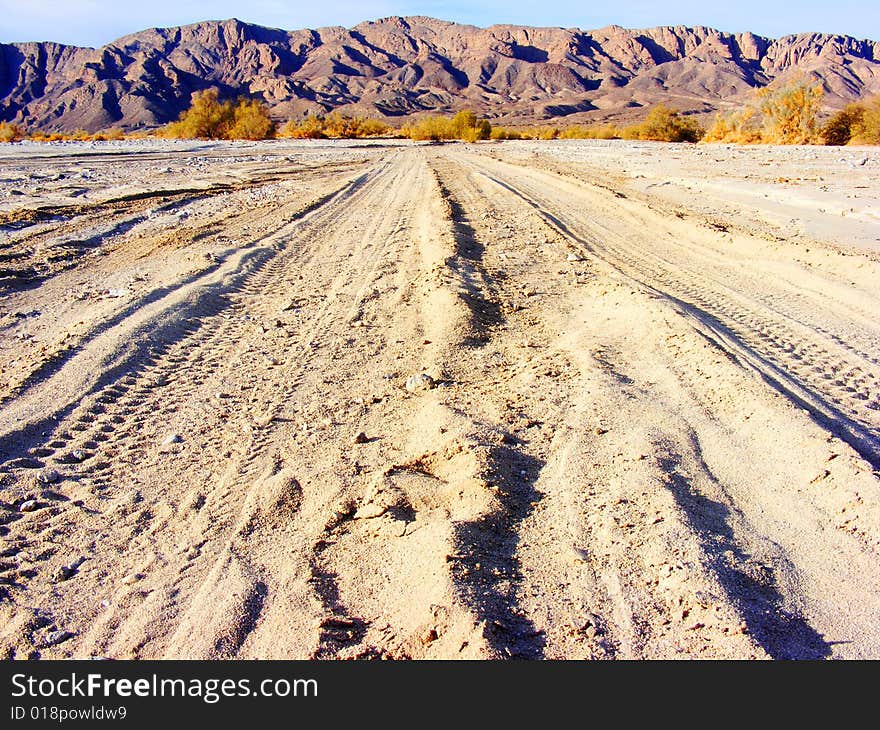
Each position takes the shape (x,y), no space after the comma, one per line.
(250,120)
(311,127)
(429,128)
(839,129)
(465,126)
(10,132)
(776,115)
(543,133)
(114,133)
(664,125)
(603,131)
(206,118)
(866,130)
(336,126)
(742,126)
(209,118)
(524,133)
(505,133)
(789,113)
(345,127)
(632,131)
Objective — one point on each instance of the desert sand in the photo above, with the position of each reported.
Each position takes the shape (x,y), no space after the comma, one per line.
(384,400)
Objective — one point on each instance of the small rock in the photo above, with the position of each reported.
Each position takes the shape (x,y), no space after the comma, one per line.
(573,257)
(370,511)
(28,506)
(63,573)
(601,431)
(361,438)
(50,476)
(57,637)
(69,570)
(429,636)
(115,293)
(132,578)
(78,455)
(422,381)
(172,438)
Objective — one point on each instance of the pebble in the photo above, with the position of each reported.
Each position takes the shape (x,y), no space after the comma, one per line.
(419,382)
(115,293)
(172,438)
(573,257)
(28,506)
(63,573)
(50,476)
(132,578)
(361,438)
(78,455)
(69,570)
(56,637)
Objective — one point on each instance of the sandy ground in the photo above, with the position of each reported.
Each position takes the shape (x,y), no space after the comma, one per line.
(647,423)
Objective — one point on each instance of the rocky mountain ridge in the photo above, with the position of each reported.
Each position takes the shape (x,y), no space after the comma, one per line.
(396,66)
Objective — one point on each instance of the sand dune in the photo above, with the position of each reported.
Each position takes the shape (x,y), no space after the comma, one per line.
(648,427)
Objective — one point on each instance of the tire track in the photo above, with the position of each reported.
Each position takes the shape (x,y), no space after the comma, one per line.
(841,392)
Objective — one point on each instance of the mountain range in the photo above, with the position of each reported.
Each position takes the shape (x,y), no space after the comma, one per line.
(397,66)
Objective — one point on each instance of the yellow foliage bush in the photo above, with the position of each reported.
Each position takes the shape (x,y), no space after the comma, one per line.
(856,123)
(465,126)
(603,131)
(505,133)
(866,129)
(209,118)
(777,115)
(839,129)
(664,125)
(739,127)
(114,133)
(80,135)
(335,126)
(10,132)
(250,120)
(790,113)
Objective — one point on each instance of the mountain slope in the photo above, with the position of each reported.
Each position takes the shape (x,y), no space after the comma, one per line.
(399,66)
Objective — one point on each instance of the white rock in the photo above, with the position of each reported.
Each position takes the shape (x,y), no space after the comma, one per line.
(419,382)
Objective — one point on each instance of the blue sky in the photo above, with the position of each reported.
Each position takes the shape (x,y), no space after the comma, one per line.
(95,22)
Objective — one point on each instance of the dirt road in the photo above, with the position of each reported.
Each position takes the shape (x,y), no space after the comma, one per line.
(647,423)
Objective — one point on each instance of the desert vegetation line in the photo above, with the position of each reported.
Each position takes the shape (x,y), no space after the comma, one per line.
(775,115)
